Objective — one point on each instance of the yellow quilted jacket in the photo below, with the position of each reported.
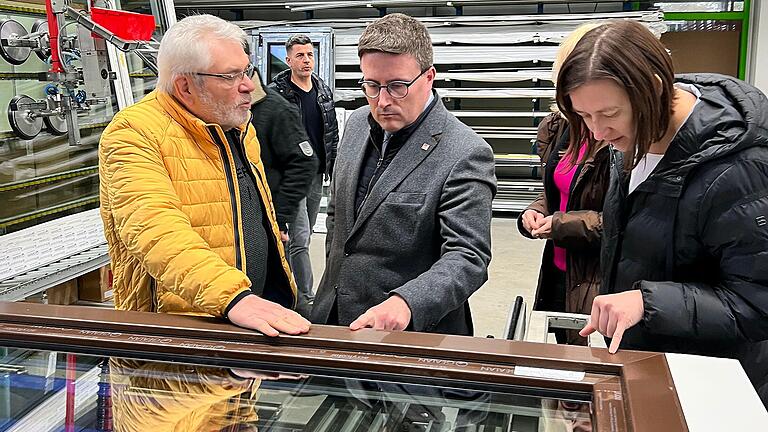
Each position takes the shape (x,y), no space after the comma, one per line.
(171,212)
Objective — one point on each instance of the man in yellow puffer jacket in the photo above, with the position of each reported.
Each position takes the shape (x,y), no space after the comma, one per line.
(187,212)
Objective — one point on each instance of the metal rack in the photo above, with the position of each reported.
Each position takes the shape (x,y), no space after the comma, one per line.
(494,73)
(49,254)
(516,195)
(58,272)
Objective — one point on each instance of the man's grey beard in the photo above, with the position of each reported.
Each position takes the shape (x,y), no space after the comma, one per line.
(226,116)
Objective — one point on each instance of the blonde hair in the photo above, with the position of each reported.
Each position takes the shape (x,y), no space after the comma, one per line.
(564,50)
(568,44)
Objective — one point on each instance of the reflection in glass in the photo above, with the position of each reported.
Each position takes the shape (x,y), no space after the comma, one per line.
(115,394)
(148,396)
(566,416)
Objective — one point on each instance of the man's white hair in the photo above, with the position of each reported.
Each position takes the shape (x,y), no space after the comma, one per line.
(185,47)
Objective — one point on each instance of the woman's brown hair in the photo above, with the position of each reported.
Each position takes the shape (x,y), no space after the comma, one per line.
(627,53)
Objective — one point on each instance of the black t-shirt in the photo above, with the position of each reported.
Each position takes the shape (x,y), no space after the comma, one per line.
(313,122)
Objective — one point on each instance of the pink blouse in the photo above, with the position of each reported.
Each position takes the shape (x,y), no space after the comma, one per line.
(563,178)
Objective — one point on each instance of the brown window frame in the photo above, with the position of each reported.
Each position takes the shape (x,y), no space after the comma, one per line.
(631,390)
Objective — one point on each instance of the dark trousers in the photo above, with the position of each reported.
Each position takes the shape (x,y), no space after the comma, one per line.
(556,300)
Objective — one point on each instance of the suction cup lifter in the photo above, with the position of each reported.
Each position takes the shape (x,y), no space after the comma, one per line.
(79,60)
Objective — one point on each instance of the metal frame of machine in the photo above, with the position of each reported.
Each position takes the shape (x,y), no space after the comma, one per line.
(59,111)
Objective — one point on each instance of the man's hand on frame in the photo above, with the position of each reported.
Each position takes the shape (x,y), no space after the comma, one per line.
(270,318)
(391,314)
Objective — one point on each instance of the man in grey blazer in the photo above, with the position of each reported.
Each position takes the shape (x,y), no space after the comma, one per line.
(409,220)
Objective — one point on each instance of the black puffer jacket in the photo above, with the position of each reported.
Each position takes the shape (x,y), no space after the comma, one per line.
(288,159)
(282,84)
(694,236)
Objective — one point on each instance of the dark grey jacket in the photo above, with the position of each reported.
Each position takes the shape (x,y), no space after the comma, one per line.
(694,236)
(288,159)
(424,231)
(282,84)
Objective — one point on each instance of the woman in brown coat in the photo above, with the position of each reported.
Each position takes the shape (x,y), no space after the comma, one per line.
(570,268)
(567,214)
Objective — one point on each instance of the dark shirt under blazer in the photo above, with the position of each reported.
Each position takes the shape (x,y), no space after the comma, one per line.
(424,231)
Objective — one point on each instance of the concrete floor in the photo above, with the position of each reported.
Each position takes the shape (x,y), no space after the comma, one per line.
(514,271)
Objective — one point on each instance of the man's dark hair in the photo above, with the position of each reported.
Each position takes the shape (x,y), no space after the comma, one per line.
(398,34)
(297,39)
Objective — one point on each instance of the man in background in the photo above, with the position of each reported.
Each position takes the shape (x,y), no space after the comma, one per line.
(289,160)
(302,87)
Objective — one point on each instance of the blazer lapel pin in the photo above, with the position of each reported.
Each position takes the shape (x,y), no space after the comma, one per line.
(425,146)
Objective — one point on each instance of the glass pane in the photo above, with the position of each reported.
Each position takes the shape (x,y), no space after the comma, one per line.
(44,177)
(136,395)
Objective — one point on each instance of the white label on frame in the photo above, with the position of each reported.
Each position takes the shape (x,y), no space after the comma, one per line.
(557,374)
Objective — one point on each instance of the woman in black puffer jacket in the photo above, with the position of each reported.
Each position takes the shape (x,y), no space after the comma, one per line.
(685,230)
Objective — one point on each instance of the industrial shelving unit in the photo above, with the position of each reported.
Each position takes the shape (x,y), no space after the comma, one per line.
(494,71)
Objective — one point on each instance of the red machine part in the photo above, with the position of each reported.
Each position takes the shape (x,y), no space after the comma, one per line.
(53,35)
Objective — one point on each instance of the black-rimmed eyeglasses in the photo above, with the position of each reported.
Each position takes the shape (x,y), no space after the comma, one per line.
(232,78)
(396,89)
